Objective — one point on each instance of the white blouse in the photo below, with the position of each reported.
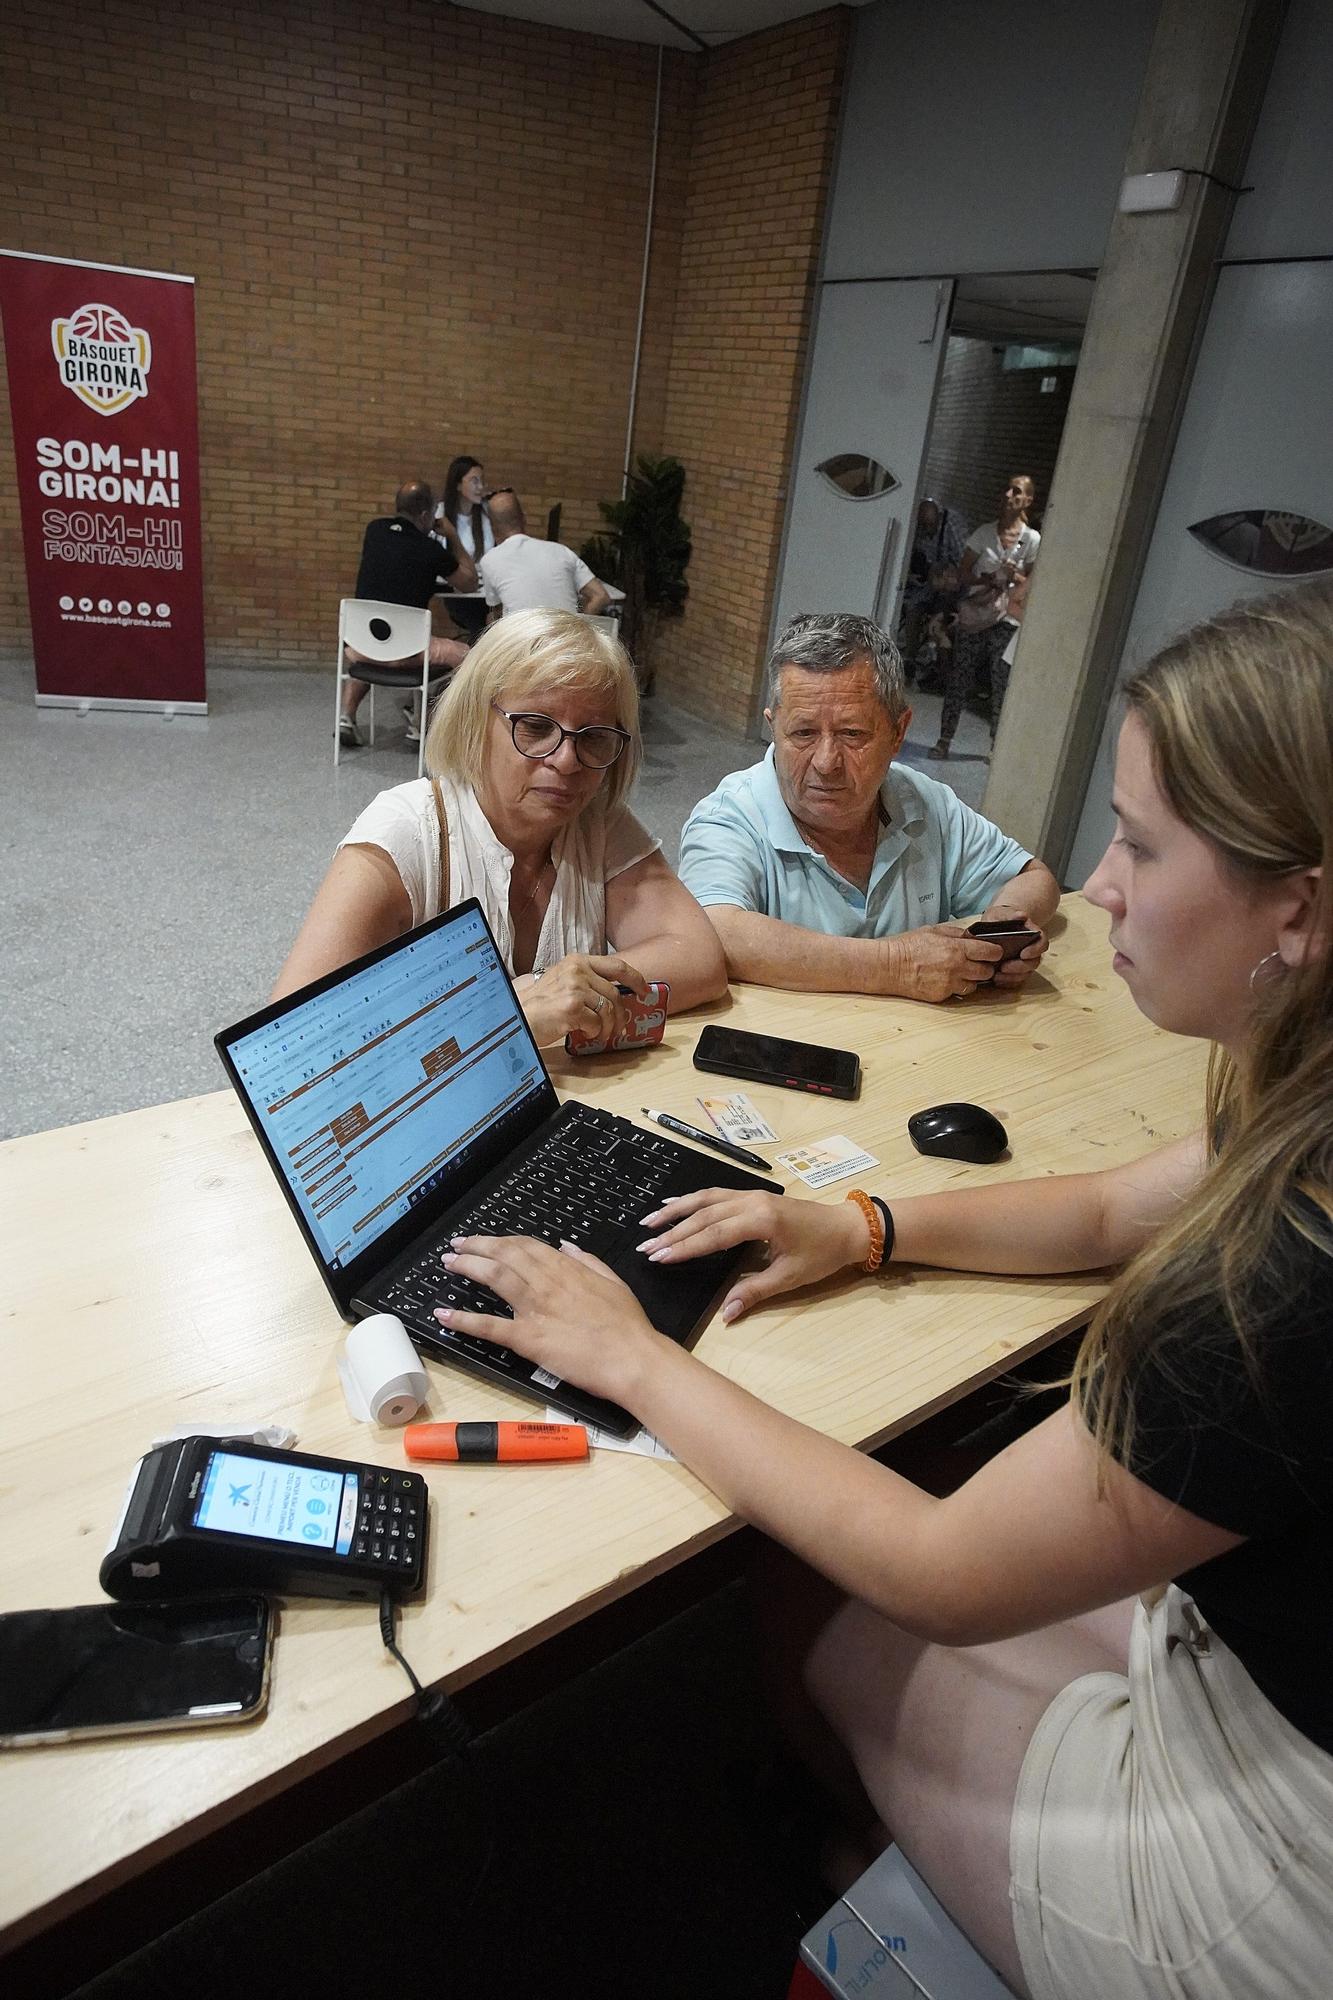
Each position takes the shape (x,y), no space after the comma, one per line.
(464,527)
(588,853)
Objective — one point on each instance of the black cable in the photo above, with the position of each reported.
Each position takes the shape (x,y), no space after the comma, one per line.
(434,1710)
(443,1721)
(1202,173)
(386,1633)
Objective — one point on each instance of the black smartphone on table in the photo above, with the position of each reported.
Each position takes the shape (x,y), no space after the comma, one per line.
(773,1059)
(119,1669)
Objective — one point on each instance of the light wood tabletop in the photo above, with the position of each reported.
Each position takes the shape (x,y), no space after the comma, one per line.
(153,1277)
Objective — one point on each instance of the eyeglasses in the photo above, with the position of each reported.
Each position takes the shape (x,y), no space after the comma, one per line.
(537,736)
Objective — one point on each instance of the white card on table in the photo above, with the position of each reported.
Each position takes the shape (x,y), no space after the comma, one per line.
(825,1160)
(736,1119)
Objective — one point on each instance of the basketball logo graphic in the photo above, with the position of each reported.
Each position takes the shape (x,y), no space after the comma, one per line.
(102,358)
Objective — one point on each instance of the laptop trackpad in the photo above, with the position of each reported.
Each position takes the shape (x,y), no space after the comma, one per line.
(674,1296)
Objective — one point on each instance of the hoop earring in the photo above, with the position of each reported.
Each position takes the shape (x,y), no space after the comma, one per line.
(1258,977)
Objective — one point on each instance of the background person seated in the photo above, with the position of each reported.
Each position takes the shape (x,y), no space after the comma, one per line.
(828,867)
(937,550)
(402,562)
(533,751)
(464,504)
(521,574)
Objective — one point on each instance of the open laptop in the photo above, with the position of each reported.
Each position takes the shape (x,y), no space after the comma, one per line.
(402,1099)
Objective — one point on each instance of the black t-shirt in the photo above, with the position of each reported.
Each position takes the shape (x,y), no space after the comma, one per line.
(1259,1462)
(401,565)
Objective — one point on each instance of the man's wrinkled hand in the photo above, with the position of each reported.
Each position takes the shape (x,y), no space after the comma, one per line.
(939,962)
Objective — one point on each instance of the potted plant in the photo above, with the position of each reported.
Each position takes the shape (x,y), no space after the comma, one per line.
(644,550)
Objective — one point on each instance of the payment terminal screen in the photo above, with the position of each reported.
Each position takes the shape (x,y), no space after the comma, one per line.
(374,1092)
(278,1503)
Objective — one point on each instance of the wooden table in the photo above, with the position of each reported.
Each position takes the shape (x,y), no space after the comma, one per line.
(154,1277)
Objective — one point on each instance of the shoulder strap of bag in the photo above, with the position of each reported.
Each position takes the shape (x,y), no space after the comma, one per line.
(442,822)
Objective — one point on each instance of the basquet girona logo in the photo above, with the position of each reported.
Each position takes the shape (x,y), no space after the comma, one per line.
(102,358)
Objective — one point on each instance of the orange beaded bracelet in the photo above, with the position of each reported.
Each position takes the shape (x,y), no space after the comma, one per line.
(874,1222)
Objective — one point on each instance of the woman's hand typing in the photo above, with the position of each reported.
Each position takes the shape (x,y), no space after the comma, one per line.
(572,1316)
(807,1240)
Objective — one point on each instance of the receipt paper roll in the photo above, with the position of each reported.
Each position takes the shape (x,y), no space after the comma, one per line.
(381,1372)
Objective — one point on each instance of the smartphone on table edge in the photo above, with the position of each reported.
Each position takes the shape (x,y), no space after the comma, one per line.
(122,1669)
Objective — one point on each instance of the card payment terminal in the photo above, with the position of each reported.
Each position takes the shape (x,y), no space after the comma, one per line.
(207,1514)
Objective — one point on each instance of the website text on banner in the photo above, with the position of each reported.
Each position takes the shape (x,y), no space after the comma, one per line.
(106,444)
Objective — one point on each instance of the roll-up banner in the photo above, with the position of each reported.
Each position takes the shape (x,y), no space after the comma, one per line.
(106,442)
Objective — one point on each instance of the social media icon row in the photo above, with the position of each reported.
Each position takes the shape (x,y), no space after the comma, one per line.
(142,609)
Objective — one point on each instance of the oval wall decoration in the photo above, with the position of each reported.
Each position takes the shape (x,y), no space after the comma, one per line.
(853,476)
(1268,542)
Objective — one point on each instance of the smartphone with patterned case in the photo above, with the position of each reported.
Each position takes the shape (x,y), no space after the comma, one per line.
(647,1023)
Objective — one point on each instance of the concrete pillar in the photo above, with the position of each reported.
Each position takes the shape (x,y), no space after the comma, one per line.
(1206,75)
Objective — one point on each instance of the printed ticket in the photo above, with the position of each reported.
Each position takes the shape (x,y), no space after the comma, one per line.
(736,1119)
(643,1443)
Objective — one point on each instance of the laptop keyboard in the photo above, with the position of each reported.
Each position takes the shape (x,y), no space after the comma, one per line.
(588,1183)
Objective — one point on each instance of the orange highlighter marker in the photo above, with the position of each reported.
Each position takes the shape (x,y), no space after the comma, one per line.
(483,1444)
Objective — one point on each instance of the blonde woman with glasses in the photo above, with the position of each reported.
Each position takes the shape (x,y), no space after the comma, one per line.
(533,750)
(1090,1690)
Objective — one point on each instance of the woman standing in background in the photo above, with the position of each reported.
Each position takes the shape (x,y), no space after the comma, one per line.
(995,557)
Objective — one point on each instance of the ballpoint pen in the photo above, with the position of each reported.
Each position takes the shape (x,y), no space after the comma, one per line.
(671,1124)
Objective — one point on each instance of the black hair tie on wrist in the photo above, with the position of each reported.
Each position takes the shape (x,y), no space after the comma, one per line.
(887,1213)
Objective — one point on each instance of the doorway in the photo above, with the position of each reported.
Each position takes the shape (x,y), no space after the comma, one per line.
(922,386)
(1000,407)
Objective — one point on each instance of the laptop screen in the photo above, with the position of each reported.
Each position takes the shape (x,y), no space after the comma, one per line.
(373,1091)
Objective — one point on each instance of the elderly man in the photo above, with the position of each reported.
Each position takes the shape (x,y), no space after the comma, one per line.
(520,574)
(829,868)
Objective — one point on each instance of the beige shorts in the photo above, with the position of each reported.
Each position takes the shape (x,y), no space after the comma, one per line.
(1172,1836)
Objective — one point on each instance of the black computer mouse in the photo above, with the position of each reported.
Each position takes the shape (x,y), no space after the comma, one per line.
(959,1132)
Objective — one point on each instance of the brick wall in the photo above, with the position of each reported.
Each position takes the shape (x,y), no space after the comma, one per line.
(415,231)
(418,231)
(762,145)
(988,425)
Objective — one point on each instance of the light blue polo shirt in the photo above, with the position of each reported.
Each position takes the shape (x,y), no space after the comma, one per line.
(936,858)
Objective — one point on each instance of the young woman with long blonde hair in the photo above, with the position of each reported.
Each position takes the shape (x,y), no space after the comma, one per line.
(1090,1692)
